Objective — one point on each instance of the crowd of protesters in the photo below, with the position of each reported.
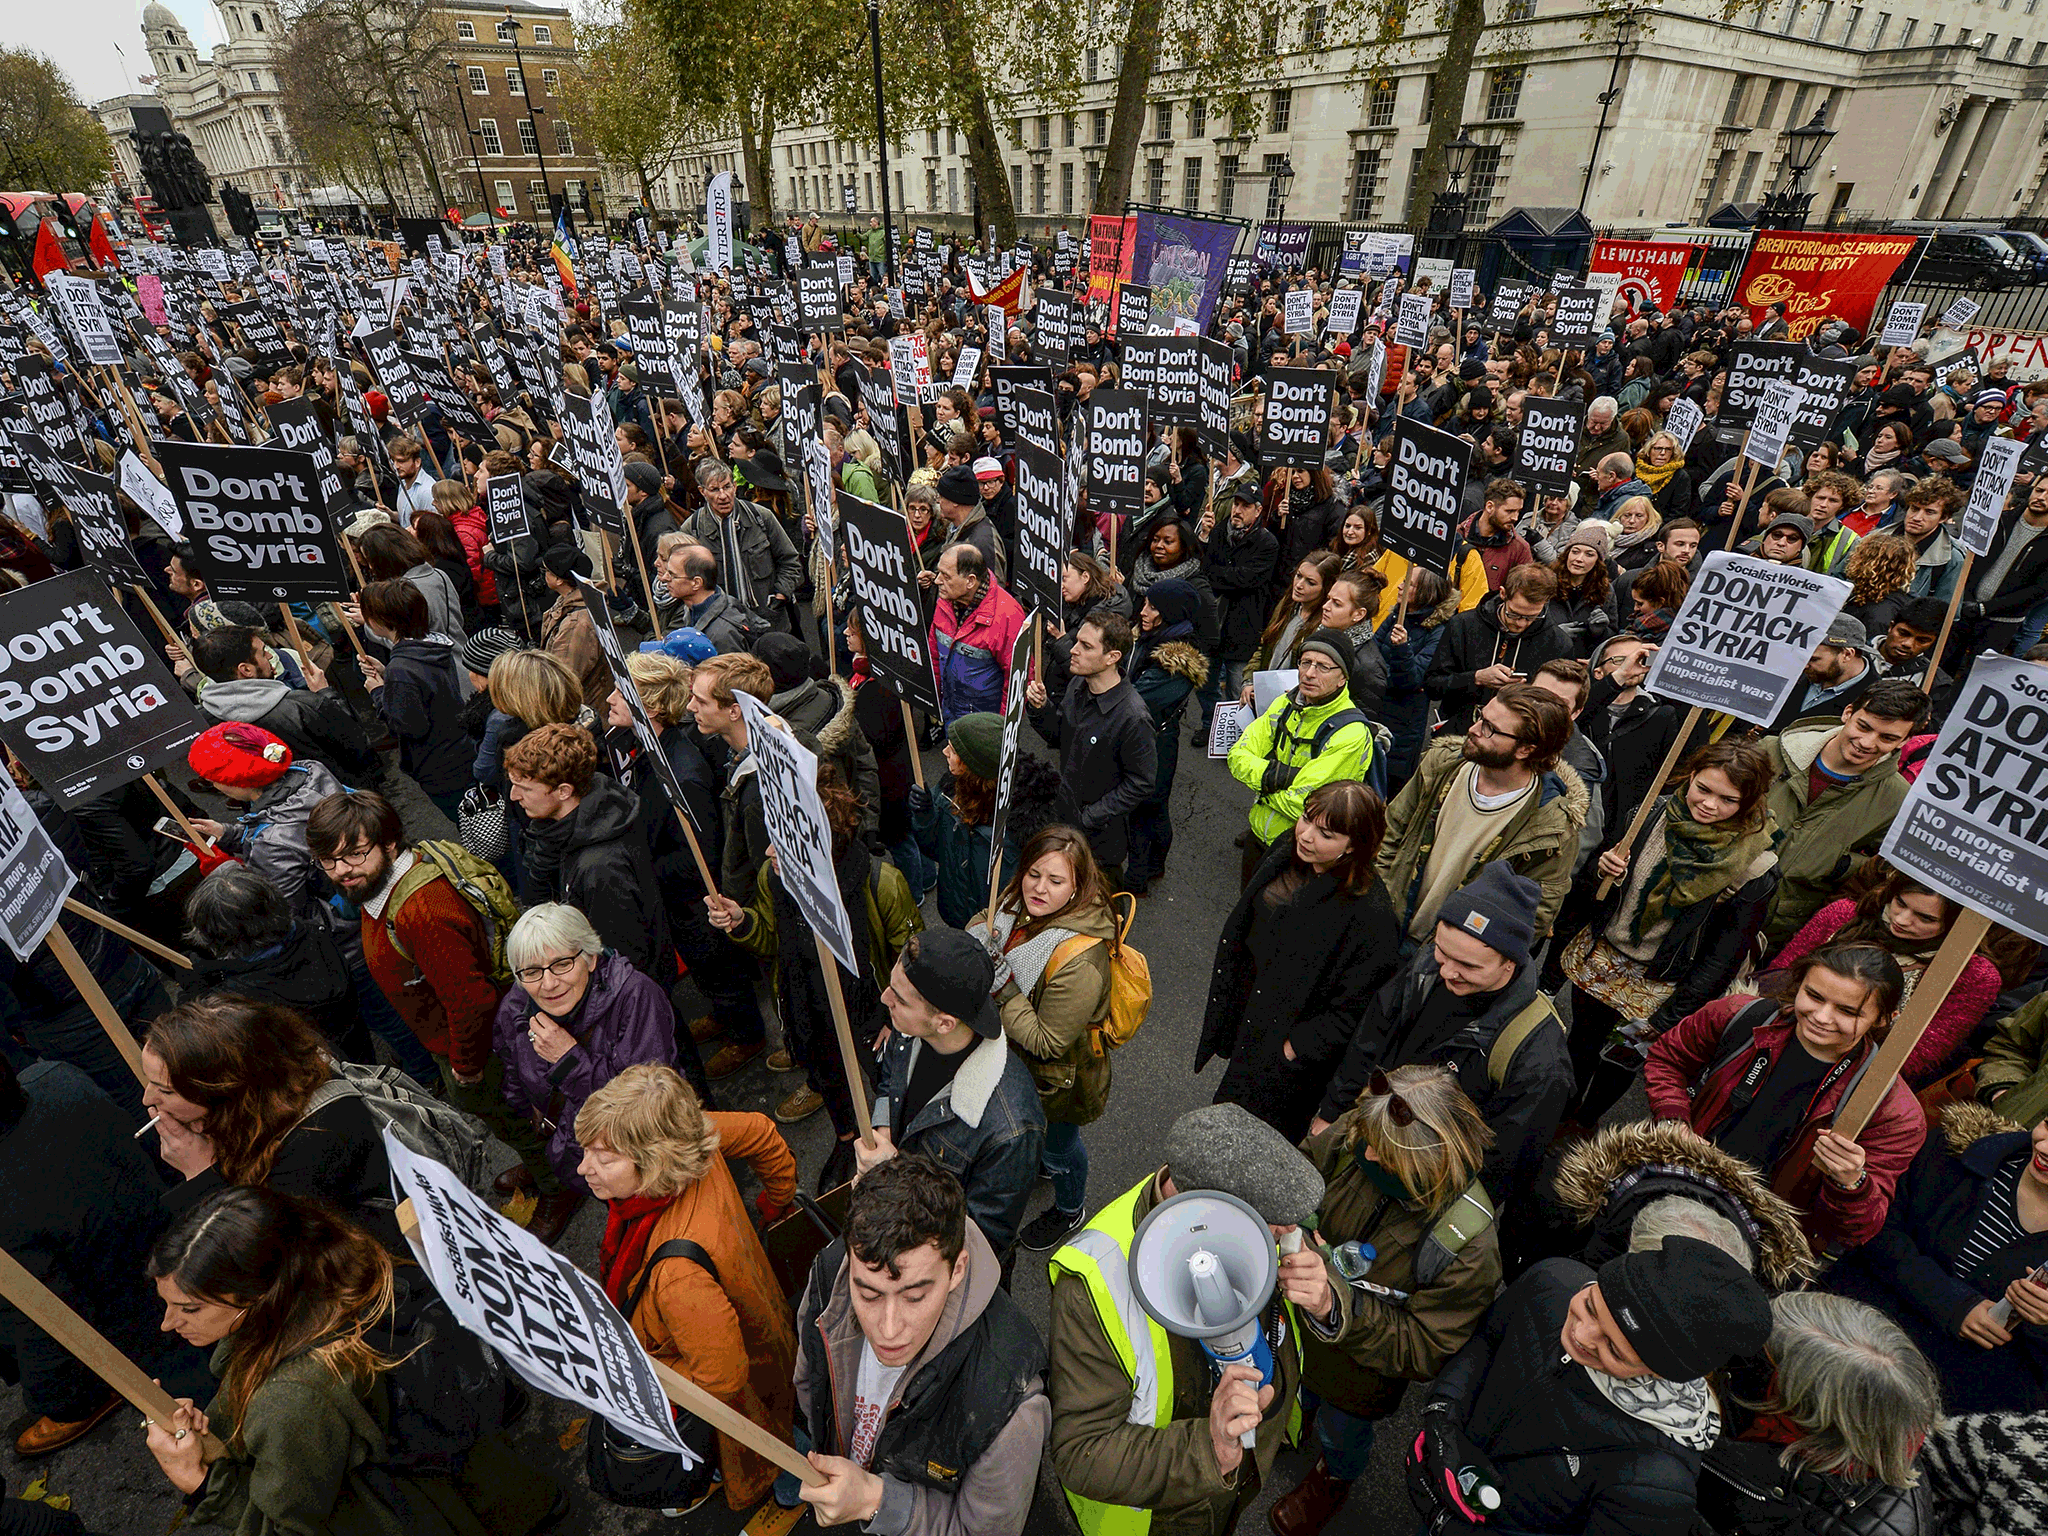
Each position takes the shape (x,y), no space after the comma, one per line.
(424,835)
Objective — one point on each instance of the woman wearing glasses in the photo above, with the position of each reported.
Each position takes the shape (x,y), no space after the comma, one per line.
(577,1016)
(1404,1212)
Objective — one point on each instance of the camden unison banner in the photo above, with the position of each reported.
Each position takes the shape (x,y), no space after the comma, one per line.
(1819,276)
(1182,258)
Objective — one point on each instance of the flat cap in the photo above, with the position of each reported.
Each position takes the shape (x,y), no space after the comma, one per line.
(1227,1147)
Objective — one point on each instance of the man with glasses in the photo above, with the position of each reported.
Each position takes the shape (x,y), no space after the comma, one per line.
(1308,737)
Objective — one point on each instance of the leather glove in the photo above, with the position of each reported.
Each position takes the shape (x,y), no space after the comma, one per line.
(1970,612)
(1276,778)
(919,800)
(1441,1450)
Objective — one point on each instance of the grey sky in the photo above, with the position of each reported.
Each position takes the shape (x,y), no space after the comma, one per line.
(80,36)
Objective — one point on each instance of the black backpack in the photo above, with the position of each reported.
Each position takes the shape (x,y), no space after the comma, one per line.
(449,1388)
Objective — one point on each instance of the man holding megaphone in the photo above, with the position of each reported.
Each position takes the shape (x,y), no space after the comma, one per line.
(1176,1325)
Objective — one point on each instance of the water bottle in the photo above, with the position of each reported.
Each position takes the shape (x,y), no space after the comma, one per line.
(1354,1259)
(1477,1490)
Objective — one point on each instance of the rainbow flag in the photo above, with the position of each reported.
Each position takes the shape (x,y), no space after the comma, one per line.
(563,251)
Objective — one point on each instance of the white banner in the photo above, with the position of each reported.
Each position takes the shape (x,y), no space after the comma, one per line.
(718,223)
(797,830)
(1998,461)
(1743,636)
(34,879)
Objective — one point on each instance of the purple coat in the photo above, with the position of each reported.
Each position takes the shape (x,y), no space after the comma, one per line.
(626,1019)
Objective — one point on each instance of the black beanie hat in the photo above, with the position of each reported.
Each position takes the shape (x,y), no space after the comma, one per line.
(1333,647)
(959,486)
(565,562)
(1687,1307)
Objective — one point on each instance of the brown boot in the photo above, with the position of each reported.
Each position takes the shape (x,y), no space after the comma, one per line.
(48,1434)
(516,1180)
(551,1215)
(1312,1505)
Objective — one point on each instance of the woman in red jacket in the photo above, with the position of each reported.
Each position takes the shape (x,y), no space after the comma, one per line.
(1763,1080)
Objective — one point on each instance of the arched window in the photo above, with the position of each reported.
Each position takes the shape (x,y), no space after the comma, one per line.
(257,17)
(181,66)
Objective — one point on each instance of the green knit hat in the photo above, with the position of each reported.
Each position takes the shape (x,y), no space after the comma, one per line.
(978,739)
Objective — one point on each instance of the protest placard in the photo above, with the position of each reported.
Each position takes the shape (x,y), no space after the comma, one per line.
(102,530)
(1213,364)
(1425,483)
(1006,763)
(298,428)
(394,374)
(78,299)
(1029,414)
(1176,380)
(588,423)
(1040,550)
(151,494)
(1343,317)
(1902,324)
(1462,279)
(1296,427)
(1960,313)
(546,1319)
(1771,430)
(1509,295)
(882,569)
(34,879)
(84,702)
(1052,321)
(1300,312)
(257,522)
(1743,635)
(1998,461)
(1547,448)
(1133,310)
(505,517)
(798,831)
(1683,420)
(1229,722)
(1411,326)
(817,300)
(966,366)
(1116,451)
(1577,320)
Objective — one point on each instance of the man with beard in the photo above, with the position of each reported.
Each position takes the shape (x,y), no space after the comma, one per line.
(1907,640)
(430,952)
(1836,675)
(1491,530)
(1498,793)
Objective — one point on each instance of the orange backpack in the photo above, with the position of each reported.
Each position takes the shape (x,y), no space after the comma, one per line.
(1130,978)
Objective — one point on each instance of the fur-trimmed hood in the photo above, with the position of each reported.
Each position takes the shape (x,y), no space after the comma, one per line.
(1965,1124)
(824,708)
(1183,660)
(1596,1171)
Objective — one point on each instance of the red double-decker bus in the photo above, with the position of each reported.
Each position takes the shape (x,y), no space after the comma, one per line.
(39,234)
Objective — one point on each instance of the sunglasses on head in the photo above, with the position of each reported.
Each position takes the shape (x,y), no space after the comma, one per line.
(1398,1109)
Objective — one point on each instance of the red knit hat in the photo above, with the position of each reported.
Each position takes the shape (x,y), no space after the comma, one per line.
(245,756)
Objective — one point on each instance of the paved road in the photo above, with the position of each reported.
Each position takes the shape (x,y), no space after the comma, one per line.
(113,1483)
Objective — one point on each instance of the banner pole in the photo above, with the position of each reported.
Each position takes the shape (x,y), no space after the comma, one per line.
(1948,620)
(163,624)
(1749,467)
(696,850)
(1635,827)
(177,814)
(848,1057)
(640,559)
(910,741)
(96,998)
(1876,1078)
(139,940)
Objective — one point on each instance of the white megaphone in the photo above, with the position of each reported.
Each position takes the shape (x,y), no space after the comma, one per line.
(1203,1265)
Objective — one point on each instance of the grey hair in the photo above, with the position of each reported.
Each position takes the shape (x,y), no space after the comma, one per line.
(348,447)
(235,913)
(710,472)
(551,926)
(1854,1382)
(923,493)
(1605,403)
(1676,1216)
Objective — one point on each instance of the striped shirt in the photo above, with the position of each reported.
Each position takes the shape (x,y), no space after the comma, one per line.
(1997,1227)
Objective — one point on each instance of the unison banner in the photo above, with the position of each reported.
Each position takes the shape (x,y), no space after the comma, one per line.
(1819,276)
(1651,270)
(1181,258)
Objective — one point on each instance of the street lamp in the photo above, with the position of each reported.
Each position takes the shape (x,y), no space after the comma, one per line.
(510,27)
(476,162)
(1448,210)
(427,147)
(1625,28)
(1283,184)
(1786,209)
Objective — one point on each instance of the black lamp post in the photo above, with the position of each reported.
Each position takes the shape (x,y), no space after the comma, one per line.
(1283,184)
(534,114)
(427,147)
(1786,208)
(1447,210)
(476,160)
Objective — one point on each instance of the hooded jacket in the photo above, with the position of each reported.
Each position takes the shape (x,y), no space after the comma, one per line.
(825,710)
(1819,841)
(423,706)
(624,1019)
(270,836)
(306,973)
(317,726)
(444,603)
(1541,840)
(1164,676)
(1474,641)
(607,872)
(973,653)
(978,1384)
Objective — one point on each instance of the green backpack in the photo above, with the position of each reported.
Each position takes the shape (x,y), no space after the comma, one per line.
(475,880)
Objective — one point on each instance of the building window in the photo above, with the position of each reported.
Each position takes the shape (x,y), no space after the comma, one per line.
(1226,183)
(257,18)
(1518,10)
(901,201)
(1045,133)
(504,31)
(564,145)
(2012,50)
(952,189)
(1016,186)
(515,82)
(466,30)
(1155,182)
(1273,164)
(1379,110)
(1067,130)
(1990,41)
(1747,179)
(1768,114)
(1906,37)
(1849,29)
(543,33)
(529,141)
(1792,16)
(1269,36)
(1067,186)
(1041,181)
(1428,97)
(537,194)
(265,113)
(1282,114)
(931,141)
(501,191)
(1365,184)
(1731,113)
(1191,184)
(1312,26)
(550,81)
(487,129)
(479,82)
(1089,60)
(1504,95)
(1480,180)
(1820,21)
(255,83)
(1162,115)
(1102,125)
(867,187)
(1884,22)
(794,199)
(181,65)
(1198,118)
(1094,183)
(1934,37)
(2039,50)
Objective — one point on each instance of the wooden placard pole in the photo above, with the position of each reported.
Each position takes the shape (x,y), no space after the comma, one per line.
(1655,793)
(848,1056)
(47,1310)
(139,940)
(639,559)
(192,833)
(291,624)
(96,998)
(686,1394)
(1749,467)
(1941,973)
(163,624)
(696,850)
(910,740)
(1948,620)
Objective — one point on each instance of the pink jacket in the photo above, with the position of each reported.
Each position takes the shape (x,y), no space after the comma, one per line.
(1967,1002)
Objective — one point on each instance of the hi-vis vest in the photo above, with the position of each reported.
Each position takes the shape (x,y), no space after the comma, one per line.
(1099,1255)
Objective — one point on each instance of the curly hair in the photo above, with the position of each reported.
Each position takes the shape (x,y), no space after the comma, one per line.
(253,1066)
(1877,567)
(552,755)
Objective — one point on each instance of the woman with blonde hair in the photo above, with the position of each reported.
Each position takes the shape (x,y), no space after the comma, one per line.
(680,1259)
(1401,1184)
(299,1309)
(1661,466)
(1634,529)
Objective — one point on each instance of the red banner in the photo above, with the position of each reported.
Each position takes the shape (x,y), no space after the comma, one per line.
(1110,238)
(1651,270)
(1819,276)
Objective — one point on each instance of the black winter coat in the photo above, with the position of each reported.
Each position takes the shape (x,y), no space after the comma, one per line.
(1474,641)
(1108,765)
(307,973)
(1305,533)
(1239,574)
(1907,1271)
(422,703)
(1404,709)
(1746,1491)
(1568,1459)
(1336,952)
(606,870)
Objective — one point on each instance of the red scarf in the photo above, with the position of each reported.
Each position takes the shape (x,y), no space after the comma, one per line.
(627,1226)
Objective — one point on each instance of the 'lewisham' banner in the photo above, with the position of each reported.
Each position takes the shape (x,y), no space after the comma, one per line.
(1651,270)
(1819,276)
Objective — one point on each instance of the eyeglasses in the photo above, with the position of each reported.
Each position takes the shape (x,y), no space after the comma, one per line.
(1486,727)
(353,858)
(527,975)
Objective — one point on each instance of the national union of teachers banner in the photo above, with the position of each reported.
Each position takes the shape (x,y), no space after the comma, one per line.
(1819,276)
(1181,258)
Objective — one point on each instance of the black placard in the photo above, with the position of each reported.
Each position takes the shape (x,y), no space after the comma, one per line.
(1177,382)
(458,412)
(1116,451)
(1029,416)
(1296,428)
(505,515)
(84,702)
(1006,380)
(1214,363)
(1508,298)
(1547,448)
(1035,572)
(1425,485)
(256,522)
(1133,310)
(299,429)
(42,396)
(395,376)
(882,566)
(1052,320)
(1577,320)
(102,531)
(1138,357)
(817,300)
(651,357)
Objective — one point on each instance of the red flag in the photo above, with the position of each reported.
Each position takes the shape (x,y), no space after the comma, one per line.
(49,255)
(1009,293)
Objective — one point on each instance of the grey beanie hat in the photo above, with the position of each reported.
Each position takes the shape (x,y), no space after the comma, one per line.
(1227,1147)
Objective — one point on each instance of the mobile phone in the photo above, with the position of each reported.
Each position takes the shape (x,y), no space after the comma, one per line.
(170,828)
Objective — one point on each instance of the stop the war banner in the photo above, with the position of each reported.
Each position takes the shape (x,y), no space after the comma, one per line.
(882,568)
(1651,270)
(1296,426)
(84,702)
(546,1319)
(798,831)
(256,521)
(1819,276)
(1743,636)
(1547,448)
(1974,826)
(1425,483)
